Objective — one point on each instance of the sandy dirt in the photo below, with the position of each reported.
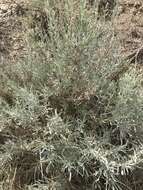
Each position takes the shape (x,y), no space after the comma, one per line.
(129,25)
(11,30)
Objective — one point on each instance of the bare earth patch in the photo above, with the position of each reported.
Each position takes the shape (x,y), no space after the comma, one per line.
(11,31)
(129,24)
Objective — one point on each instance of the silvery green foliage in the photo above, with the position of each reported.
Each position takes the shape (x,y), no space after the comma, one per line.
(85,127)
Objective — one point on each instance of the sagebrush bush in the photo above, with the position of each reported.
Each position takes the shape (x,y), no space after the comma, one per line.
(82,128)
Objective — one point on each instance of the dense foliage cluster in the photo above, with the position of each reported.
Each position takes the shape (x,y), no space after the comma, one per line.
(71,117)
